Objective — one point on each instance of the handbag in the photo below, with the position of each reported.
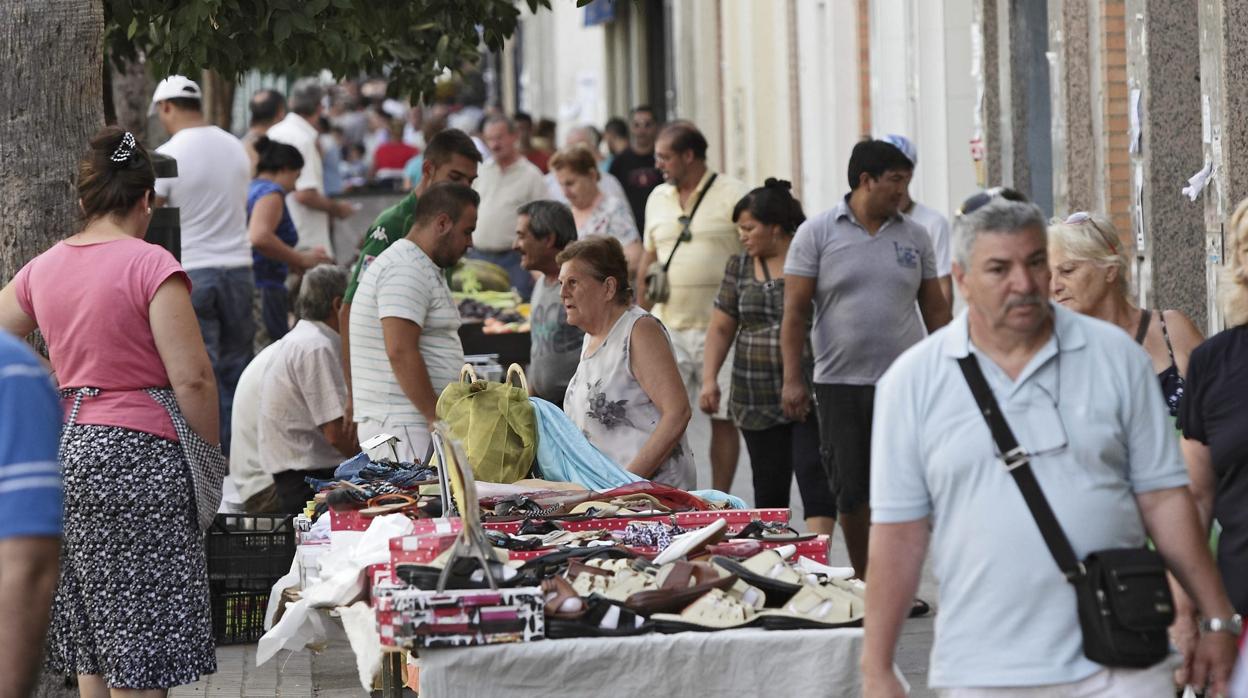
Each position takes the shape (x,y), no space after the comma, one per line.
(495,420)
(658,287)
(1123,597)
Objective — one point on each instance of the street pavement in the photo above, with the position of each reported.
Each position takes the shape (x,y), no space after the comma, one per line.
(332,673)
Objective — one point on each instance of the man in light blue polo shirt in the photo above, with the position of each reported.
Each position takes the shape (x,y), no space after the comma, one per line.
(30,512)
(1082,399)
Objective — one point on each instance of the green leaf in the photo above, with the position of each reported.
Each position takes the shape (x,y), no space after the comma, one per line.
(302,23)
(132,29)
(342,4)
(281,28)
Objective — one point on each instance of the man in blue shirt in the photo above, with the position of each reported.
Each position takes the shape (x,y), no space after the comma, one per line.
(1082,398)
(30,512)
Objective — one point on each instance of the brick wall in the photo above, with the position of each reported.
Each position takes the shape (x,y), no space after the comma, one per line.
(864,66)
(1116,121)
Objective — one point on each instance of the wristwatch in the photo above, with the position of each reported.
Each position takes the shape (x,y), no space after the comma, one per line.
(1233,625)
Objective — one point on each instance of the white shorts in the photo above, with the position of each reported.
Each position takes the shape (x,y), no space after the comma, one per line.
(690,346)
(1156,681)
(413,443)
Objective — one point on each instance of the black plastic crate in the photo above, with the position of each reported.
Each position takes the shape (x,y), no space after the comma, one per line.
(238,612)
(246,547)
(246,556)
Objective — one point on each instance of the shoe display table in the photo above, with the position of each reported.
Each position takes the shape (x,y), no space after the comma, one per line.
(744,662)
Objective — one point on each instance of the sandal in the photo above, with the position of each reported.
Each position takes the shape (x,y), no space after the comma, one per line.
(561,601)
(768,571)
(603,617)
(815,608)
(772,531)
(679,584)
(691,542)
(714,610)
(390,504)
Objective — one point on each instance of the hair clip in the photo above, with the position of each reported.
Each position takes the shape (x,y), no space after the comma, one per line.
(124,150)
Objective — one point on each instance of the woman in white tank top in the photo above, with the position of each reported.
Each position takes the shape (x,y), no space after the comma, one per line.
(626,396)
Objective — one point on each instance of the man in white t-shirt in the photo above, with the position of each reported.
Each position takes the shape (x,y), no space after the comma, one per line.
(936,224)
(210,193)
(405,346)
(309,208)
(505,183)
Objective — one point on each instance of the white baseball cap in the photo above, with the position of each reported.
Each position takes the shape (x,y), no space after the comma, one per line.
(176,86)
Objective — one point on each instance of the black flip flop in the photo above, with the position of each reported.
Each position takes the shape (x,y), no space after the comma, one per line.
(626,622)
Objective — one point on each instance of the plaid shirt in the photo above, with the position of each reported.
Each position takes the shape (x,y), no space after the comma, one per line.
(757,372)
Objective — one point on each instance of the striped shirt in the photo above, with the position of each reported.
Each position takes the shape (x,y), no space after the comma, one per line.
(30,476)
(404,283)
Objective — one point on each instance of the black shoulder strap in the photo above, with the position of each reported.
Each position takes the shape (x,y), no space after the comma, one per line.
(1019,465)
(684,228)
(1142,331)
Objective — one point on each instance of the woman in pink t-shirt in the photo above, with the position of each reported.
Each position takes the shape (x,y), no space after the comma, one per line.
(132,609)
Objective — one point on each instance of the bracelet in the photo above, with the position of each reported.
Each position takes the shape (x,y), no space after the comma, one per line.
(1233,625)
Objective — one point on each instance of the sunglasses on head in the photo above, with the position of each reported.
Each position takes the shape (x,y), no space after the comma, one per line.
(987,196)
(1085,218)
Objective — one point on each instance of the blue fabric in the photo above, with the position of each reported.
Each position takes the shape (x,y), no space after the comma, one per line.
(271,273)
(222,298)
(331,171)
(412,170)
(565,455)
(30,473)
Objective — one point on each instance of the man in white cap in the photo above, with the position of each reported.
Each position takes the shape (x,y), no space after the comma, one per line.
(936,224)
(309,207)
(210,192)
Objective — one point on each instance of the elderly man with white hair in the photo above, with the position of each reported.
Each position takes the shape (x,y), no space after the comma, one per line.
(302,402)
(1029,546)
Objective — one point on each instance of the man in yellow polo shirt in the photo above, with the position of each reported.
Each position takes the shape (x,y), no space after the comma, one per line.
(697,267)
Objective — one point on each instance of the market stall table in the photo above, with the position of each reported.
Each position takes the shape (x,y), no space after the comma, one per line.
(743,662)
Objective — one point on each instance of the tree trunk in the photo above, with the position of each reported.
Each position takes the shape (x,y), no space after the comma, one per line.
(51,101)
(218,99)
(132,94)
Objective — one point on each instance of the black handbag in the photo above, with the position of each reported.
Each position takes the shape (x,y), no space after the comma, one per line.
(1123,598)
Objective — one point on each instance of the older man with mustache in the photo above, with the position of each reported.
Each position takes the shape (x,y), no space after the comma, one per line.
(1093,439)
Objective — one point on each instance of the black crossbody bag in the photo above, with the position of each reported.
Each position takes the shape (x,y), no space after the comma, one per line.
(1123,598)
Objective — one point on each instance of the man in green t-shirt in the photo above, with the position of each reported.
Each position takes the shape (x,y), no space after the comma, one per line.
(451,156)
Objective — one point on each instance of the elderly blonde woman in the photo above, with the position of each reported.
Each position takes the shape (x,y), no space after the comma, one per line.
(596,211)
(1090,267)
(626,395)
(1213,416)
(1092,275)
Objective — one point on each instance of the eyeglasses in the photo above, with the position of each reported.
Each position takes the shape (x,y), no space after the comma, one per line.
(1083,217)
(1042,425)
(987,196)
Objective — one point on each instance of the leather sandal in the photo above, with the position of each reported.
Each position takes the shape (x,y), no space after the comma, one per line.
(768,571)
(679,584)
(603,617)
(714,610)
(814,608)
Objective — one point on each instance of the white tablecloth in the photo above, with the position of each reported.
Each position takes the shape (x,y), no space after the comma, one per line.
(749,662)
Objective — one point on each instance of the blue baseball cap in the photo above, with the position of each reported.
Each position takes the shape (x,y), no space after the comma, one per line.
(904,145)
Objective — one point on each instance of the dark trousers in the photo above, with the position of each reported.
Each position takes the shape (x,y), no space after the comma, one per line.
(779,453)
(222,301)
(293,493)
(845,414)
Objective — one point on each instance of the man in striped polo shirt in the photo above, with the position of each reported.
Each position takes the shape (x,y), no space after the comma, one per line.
(405,346)
(30,512)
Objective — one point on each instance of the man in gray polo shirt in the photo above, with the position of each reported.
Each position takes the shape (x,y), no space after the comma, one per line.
(863,265)
(1082,399)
